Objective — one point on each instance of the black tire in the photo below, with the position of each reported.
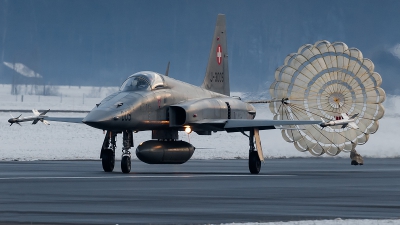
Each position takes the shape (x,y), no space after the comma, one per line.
(254,163)
(108,160)
(354,162)
(126,164)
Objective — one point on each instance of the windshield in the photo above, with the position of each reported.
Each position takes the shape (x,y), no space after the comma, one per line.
(142,81)
(136,83)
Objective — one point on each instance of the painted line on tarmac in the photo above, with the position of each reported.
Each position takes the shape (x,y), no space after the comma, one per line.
(145,176)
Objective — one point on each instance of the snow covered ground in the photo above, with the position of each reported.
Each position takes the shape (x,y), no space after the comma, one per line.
(67,98)
(77,141)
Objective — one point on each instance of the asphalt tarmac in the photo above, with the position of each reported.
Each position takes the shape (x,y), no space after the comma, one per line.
(198,192)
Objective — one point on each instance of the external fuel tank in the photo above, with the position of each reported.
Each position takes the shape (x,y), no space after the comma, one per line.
(164,152)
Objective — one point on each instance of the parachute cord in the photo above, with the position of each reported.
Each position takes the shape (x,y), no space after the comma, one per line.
(279,109)
(316,109)
(309,134)
(322,135)
(319,109)
(300,109)
(328,104)
(286,112)
(338,133)
(333,130)
(294,105)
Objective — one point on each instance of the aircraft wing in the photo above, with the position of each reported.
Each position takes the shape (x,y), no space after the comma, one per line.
(210,124)
(239,125)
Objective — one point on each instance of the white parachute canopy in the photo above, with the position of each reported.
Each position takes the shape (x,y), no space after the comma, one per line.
(322,81)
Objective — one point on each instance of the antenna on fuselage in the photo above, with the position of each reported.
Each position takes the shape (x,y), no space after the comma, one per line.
(166,72)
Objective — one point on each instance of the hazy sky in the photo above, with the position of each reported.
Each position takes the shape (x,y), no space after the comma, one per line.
(102,42)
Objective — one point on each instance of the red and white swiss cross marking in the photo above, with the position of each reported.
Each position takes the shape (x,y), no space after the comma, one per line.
(219,54)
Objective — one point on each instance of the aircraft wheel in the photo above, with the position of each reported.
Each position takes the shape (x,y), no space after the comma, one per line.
(254,162)
(108,160)
(126,164)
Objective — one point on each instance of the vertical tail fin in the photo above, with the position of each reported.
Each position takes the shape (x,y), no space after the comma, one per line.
(217,73)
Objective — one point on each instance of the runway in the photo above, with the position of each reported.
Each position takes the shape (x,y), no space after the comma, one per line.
(198,192)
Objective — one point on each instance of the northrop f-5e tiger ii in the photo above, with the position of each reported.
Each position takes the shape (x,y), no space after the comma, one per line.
(152,101)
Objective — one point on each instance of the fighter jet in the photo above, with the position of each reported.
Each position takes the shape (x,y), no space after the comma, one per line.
(344,121)
(152,101)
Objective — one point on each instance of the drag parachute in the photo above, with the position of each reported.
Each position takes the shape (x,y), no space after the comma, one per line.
(325,81)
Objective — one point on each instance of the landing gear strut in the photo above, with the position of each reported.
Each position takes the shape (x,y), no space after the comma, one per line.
(254,160)
(126,154)
(107,153)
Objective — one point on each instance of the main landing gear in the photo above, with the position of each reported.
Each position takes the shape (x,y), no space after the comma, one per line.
(254,159)
(127,141)
(107,154)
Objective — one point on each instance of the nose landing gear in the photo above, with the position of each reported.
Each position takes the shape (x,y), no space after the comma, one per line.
(126,154)
(107,153)
(126,163)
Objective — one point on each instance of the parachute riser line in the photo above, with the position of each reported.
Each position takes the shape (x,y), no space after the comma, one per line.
(310,134)
(283,100)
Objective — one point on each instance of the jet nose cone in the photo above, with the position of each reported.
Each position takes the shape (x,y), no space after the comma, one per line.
(100,119)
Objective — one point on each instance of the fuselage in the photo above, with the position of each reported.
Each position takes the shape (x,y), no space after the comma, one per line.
(148,108)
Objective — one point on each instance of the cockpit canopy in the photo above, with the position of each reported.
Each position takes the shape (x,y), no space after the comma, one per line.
(142,81)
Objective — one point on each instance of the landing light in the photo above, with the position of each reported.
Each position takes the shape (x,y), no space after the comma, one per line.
(188,130)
